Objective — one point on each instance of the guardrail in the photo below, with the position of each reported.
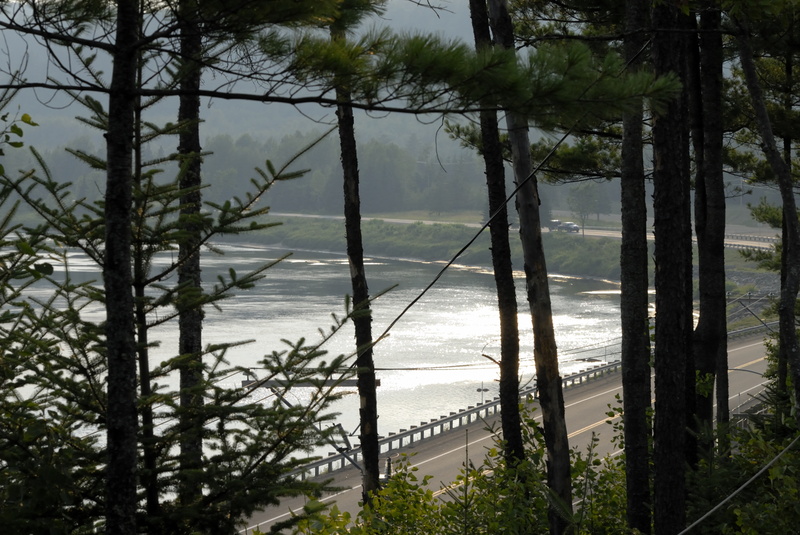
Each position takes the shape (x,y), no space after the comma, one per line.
(394,441)
(770,240)
(746,331)
(748,246)
(741,237)
(337,461)
(405,437)
(750,237)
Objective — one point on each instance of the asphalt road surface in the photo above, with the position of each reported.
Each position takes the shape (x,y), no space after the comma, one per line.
(442,456)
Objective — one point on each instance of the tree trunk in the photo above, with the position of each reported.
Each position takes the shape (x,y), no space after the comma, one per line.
(670,200)
(711,62)
(121,418)
(368,411)
(190,319)
(790,264)
(545,353)
(501,259)
(634,299)
(710,335)
(783,405)
(149,473)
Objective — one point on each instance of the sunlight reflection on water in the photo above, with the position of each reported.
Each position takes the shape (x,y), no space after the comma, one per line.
(433,360)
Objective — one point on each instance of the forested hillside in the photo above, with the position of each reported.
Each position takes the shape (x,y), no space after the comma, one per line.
(138,136)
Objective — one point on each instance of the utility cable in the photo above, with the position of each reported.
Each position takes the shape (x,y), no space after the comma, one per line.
(491,219)
(741,488)
(508,200)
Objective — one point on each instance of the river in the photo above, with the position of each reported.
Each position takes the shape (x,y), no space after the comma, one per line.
(436,357)
(433,360)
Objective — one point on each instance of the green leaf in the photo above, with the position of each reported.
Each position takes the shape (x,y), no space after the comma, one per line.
(15,129)
(45,268)
(27,120)
(25,248)
(314,506)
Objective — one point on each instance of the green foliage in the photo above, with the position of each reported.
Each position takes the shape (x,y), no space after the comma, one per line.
(584,199)
(11,133)
(759,481)
(595,257)
(405,505)
(600,486)
(758,9)
(243,17)
(392,177)
(567,254)
(538,20)
(766,259)
(492,498)
(767,213)
(417,240)
(704,384)
(771,32)
(772,507)
(588,157)
(53,364)
(555,84)
(52,460)
(53,406)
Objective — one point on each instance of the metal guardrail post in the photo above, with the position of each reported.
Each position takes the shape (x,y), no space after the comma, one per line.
(406,437)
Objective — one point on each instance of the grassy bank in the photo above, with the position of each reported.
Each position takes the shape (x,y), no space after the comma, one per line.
(567,254)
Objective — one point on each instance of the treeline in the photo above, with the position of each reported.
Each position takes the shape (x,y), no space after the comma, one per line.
(397,176)
(394,177)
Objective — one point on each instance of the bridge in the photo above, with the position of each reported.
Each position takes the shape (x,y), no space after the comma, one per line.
(441,447)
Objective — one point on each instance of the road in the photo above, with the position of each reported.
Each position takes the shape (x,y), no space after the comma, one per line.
(586,406)
(748,238)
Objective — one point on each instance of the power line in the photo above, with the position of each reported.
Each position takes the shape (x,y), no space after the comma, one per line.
(505,204)
(741,488)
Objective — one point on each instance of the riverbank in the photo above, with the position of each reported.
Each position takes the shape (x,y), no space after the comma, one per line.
(567,254)
(572,255)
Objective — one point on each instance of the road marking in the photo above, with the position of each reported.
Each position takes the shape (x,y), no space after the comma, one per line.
(601,422)
(747,347)
(747,364)
(583,400)
(588,427)
(539,417)
(292,511)
(571,435)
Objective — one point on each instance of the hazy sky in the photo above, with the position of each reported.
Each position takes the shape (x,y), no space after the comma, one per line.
(56,112)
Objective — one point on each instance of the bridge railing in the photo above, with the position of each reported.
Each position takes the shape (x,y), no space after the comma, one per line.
(750,237)
(394,441)
(755,329)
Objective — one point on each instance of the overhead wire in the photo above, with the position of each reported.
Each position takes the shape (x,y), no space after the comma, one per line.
(741,488)
(507,201)
(469,243)
(490,220)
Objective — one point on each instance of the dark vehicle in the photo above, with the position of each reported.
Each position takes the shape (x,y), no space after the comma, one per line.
(553,224)
(569,226)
